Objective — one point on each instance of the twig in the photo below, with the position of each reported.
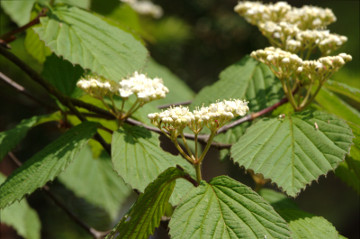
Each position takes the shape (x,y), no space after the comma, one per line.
(47,86)
(22,90)
(9,36)
(92,231)
(175,104)
(188,177)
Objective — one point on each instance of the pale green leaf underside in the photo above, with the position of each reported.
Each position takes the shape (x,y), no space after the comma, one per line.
(46,164)
(87,175)
(10,138)
(85,39)
(294,151)
(21,217)
(146,213)
(138,158)
(225,208)
(247,79)
(35,47)
(303,225)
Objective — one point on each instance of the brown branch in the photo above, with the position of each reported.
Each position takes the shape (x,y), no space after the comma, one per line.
(188,177)
(22,90)
(10,36)
(92,231)
(53,91)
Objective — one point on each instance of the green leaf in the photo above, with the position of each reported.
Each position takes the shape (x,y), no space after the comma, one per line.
(62,74)
(294,151)
(46,164)
(303,225)
(178,90)
(349,172)
(88,175)
(10,138)
(21,217)
(147,211)
(247,79)
(79,3)
(138,158)
(83,38)
(344,89)
(225,208)
(35,47)
(19,11)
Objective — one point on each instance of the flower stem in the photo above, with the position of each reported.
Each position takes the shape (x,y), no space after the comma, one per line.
(207,147)
(197,167)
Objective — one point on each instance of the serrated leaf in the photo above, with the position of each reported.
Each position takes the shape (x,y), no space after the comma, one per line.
(35,47)
(45,165)
(303,225)
(344,89)
(225,208)
(83,38)
(19,11)
(62,74)
(88,175)
(178,90)
(21,217)
(247,79)
(138,158)
(294,151)
(146,213)
(10,138)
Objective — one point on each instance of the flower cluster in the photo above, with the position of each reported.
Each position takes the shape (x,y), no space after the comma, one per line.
(285,64)
(97,86)
(214,116)
(293,29)
(144,88)
(145,8)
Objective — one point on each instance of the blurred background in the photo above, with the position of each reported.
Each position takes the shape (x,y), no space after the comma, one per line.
(196,40)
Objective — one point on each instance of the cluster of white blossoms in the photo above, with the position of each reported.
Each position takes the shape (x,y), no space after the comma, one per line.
(97,86)
(285,64)
(213,116)
(145,8)
(293,29)
(143,87)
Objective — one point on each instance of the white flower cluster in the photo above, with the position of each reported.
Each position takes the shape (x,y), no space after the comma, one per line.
(284,64)
(214,116)
(145,8)
(97,86)
(293,29)
(144,88)
(255,12)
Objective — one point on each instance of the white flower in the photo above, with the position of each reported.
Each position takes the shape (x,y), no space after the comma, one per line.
(145,8)
(97,86)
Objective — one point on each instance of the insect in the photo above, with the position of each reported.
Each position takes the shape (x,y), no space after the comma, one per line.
(281,117)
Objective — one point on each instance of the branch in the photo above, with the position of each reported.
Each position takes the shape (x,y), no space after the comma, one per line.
(9,36)
(53,91)
(92,231)
(22,90)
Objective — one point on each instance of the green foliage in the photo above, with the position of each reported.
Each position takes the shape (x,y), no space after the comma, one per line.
(178,90)
(146,213)
(343,89)
(35,47)
(82,38)
(294,151)
(303,225)
(19,11)
(225,208)
(138,158)
(46,164)
(87,175)
(10,138)
(62,74)
(21,217)
(247,79)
